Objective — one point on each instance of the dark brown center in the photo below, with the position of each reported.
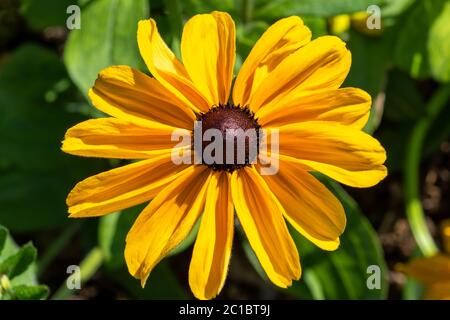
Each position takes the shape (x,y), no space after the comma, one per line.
(239,134)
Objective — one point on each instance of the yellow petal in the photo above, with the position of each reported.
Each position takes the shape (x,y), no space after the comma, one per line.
(129,94)
(279,41)
(114,138)
(347,155)
(208,50)
(428,270)
(122,187)
(166,68)
(310,207)
(438,291)
(212,248)
(261,217)
(347,106)
(166,221)
(321,64)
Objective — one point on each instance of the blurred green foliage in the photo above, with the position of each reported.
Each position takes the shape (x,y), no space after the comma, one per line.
(43,91)
(18,270)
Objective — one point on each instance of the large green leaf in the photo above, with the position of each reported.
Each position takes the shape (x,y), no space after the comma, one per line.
(269,9)
(439,45)
(411,51)
(107,37)
(370,60)
(343,274)
(35,175)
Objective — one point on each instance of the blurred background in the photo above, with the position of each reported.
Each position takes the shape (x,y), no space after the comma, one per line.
(46,70)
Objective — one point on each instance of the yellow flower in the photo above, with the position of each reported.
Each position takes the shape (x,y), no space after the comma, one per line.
(434,271)
(339,24)
(287,82)
(359,22)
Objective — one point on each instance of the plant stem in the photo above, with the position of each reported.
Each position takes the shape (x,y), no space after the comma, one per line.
(176,24)
(57,245)
(246,10)
(414,210)
(88,267)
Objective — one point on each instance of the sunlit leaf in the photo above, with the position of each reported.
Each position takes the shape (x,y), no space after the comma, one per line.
(411,52)
(322,8)
(439,45)
(107,37)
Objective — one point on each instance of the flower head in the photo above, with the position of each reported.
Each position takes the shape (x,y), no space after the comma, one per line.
(289,85)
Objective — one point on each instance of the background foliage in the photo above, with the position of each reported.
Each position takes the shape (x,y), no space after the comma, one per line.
(45,72)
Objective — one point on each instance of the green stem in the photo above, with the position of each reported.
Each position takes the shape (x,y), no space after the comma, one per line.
(88,267)
(414,210)
(246,10)
(175,15)
(57,245)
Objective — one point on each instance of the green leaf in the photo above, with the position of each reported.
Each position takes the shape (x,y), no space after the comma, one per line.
(318,26)
(439,45)
(26,278)
(201,6)
(393,140)
(370,60)
(342,274)
(41,14)
(34,177)
(3,236)
(246,36)
(322,8)
(411,52)
(19,262)
(395,7)
(403,100)
(107,37)
(23,292)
